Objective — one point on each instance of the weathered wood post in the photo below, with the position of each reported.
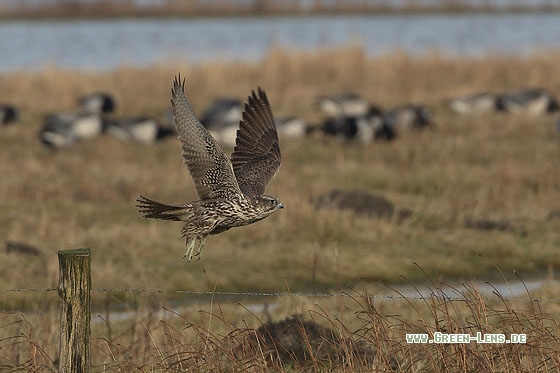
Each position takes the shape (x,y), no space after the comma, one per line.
(74,289)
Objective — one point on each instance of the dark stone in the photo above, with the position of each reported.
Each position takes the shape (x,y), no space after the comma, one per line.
(21,248)
(359,201)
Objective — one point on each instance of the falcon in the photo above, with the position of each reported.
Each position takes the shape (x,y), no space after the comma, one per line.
(230,191)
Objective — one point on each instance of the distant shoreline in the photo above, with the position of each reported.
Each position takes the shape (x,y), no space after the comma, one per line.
(77,11)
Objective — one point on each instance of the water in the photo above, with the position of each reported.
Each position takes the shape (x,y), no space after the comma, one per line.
(515,289)
(106,44)
(512,289)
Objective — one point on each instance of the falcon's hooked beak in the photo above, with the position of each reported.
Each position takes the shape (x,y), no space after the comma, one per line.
(280,205)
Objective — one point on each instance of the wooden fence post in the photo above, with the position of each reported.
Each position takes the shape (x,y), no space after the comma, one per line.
(74,289)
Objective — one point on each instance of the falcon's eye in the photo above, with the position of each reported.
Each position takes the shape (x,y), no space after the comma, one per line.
(271,202)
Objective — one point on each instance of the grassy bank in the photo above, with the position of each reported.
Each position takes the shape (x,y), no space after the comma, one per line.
(347,333)
(495,166)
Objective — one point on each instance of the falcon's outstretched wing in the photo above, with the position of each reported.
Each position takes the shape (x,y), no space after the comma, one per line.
(256,157)
(210,168)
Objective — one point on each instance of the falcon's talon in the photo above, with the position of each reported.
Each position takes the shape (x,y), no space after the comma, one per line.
(190,247)
(201,240)
(194,247)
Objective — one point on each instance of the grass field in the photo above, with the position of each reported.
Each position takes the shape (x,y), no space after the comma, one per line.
(495,166)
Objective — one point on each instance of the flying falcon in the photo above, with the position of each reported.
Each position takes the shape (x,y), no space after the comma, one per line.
(230,192)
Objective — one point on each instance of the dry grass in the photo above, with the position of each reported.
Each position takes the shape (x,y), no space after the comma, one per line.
(344,333)
(488,167)
(493,166)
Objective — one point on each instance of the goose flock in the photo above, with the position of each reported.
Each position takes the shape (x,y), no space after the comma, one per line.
(532,101)
(348,117)
(92,118)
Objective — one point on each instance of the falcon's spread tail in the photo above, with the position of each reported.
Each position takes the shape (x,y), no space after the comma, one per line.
(155,210)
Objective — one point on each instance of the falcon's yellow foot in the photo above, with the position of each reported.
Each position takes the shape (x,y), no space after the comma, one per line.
(194,247)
